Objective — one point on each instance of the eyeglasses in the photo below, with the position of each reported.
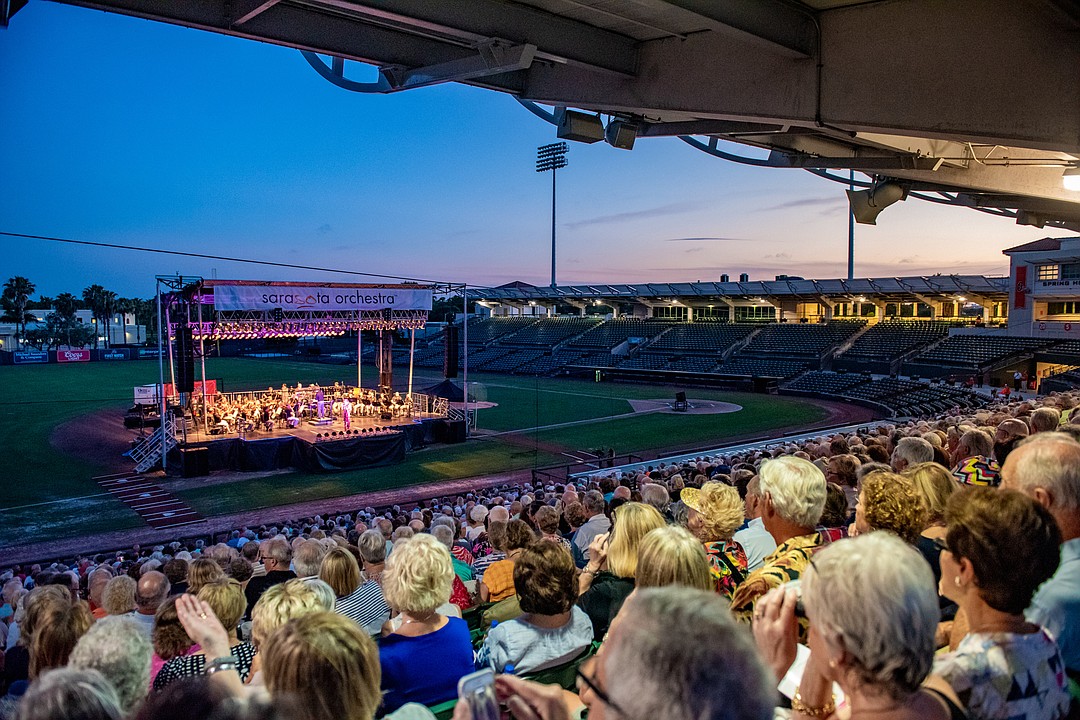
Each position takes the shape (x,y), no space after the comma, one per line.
(940,544)
(602,696)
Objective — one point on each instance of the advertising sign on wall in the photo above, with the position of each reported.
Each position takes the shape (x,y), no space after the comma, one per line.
(30,356)
(149,352)
(117,354)
(66,356)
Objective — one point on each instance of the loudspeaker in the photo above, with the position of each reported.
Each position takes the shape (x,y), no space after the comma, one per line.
(195,462)
(580,127)
(185,360)
(450,352)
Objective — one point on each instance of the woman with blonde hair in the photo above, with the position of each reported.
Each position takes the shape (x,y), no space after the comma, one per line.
(226,597)
(327,664)
(888,501)
(672,556)
(362,602)
(423,653)
(715,512)
(608,577)
(202,571)
(934,485)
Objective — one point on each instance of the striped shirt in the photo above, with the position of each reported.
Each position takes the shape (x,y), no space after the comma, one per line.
(365,606)
(483,563)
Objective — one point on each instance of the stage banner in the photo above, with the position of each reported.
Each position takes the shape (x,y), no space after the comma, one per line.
(319,297)
(28,357)
(146,395)
(211,388)
(117,354)
(66,356)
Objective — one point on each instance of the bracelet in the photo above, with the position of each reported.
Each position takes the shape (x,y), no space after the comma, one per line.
(222,664)
(587,571)
(822,711)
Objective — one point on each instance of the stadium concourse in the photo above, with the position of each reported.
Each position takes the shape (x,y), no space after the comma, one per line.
(555,582)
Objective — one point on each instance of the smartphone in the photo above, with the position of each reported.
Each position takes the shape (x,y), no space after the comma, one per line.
(478,689)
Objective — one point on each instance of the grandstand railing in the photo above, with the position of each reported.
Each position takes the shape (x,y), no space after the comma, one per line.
(561,473)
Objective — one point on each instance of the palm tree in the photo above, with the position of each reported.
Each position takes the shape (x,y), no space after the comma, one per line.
(94,298)
(66,304)
(17,292)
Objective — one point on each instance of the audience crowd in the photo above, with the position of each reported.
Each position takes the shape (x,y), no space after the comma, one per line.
(921,569)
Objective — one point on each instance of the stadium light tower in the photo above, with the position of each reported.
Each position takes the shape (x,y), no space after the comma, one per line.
(552,157)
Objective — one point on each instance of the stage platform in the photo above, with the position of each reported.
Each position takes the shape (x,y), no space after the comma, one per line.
(303,448)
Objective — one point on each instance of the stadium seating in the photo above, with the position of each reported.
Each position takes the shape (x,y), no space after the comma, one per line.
(973,352)
(612,333)
(891,339)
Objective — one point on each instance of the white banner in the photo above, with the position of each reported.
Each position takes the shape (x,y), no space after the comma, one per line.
(319,297)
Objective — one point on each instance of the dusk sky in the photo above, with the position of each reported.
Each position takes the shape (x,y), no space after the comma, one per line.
(122,130)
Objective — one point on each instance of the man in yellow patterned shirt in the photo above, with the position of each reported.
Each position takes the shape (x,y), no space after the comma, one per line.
(793,496)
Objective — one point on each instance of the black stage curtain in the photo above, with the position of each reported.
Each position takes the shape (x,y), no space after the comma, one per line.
(325,456)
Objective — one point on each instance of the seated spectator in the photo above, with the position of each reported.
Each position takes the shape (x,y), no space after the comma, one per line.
(672,556)
(844,471)
(54,625)
(227,598)
(935,485)
(1045,419)
(307,558)
(150,592)
(608,578)
(793,497)
(279,604)
(872,612)
(596,522)
(65,693)
(1047,468)
(715,512)
(459,594)
(973,462)
(36,608)
(203,571)
(834,515)
(118,597)
(498,581)
(754,538)
(547,522)
(710,670)
(362,602)
(487,550)
(911,451)
(118,649)
(423,653)
(888,501)
(1008,434)
(1001,651)
(168,639)
(372,546)
(275,555)
(96,583)
(551,629)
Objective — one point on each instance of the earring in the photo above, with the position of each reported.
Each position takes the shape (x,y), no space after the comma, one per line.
(956,581)
(833,664)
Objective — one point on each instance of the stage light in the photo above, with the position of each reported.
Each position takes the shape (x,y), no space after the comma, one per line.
(866,205)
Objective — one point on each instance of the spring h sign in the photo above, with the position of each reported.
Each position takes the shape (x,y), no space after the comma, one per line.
(320,297)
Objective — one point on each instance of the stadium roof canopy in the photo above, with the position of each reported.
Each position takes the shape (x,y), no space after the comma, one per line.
(966,102)
(885,289)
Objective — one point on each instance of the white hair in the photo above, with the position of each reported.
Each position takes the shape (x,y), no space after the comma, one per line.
(1050,460)
(118,649)
(711,669)
(874,597)
(324,594)
(797,488)
(69,693)
(914,450)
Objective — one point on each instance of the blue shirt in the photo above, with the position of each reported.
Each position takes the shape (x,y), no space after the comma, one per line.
(1056,605)
(425,669)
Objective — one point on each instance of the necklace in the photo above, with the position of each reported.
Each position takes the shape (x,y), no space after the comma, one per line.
(405,620)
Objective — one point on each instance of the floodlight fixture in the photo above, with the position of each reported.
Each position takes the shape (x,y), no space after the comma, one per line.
(1071,178)
(552,157)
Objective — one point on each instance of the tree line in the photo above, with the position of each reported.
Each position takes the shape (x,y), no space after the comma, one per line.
(61,326)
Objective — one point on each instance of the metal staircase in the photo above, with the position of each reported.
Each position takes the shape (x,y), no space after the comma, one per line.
(149,452)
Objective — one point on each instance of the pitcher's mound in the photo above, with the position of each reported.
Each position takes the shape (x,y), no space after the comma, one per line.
(694,407)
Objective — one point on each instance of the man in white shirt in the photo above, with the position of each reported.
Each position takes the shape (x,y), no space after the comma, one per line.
(151,591)
(596,524)
(754,538)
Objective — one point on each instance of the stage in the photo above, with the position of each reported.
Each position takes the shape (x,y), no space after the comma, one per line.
(371,442)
